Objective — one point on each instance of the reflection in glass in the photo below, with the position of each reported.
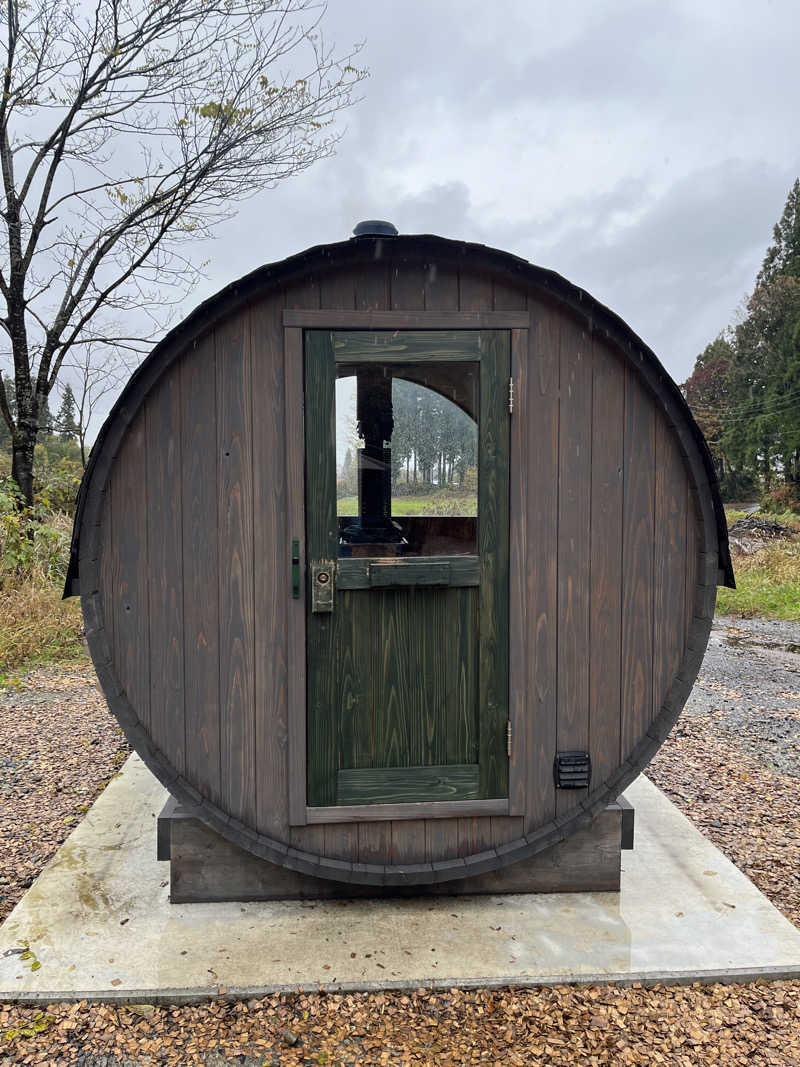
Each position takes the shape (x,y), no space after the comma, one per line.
(406,458)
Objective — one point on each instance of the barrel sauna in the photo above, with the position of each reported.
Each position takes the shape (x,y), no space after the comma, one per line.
(348,681)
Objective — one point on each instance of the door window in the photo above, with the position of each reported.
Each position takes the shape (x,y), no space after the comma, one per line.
(407,459)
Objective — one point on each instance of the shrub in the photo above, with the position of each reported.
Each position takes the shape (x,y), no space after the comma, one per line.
(784,498)
(34,543)
(58,473)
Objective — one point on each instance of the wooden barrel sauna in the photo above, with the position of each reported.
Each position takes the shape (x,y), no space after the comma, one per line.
(446,652)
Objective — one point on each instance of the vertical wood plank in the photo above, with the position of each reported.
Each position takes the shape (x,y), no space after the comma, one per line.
(518,614)
(309,839)
(441,839)
(637,562)
(131,602)
(670,572)
(296,608)
(337,289)
(303,294)
(509,297)
(200,601)
(493,445)
(408,286)
(372,287)
(351,678)
(236,624)
(341,841)
(608,402)
(107,566)
(408,841)
(272,573)
(574,516)
(374,842)
(165,538)
(441,287)
(460,652)
(505,828)
(475,292)
(540,408)
(474,835)
(395,682)
(692,549)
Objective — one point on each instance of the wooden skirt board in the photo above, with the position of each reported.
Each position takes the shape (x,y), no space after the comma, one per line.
(206,868)
(194,506)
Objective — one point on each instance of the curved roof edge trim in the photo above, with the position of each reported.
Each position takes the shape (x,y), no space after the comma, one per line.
(556,286)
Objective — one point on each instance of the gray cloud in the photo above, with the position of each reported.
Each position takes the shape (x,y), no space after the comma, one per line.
(642,149)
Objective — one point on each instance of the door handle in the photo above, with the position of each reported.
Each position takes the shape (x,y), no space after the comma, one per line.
(296,569)
(323,580)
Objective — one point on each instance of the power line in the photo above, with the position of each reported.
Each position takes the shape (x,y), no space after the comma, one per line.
(741,414)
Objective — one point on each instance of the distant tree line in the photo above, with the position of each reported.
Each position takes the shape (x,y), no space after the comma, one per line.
(434,443)
(63,425)
(744,390)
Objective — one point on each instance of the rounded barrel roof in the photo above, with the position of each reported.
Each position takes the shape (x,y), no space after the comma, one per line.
(328,257)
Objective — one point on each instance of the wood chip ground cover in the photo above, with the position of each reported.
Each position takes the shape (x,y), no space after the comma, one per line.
(732,765)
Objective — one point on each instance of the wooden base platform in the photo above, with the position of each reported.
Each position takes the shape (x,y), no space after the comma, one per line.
(205,868)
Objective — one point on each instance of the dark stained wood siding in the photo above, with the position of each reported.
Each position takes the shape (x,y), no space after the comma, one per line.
(573,559)
(236,568)
(129,567)
(198,381)
(271,568)
(608,536)
(162,418)
(539,406)
(638,542)
(605,582)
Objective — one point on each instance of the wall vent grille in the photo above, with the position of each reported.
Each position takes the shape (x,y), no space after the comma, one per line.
(572,770)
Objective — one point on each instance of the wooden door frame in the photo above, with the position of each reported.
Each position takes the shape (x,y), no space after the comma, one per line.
(294,323)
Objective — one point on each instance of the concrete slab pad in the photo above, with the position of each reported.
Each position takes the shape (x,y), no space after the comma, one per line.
(99,922)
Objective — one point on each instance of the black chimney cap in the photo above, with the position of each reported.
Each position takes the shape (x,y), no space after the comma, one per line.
(375,228)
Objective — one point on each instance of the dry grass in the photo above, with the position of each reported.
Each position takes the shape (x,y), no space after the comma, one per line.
(37,626)
(768,583)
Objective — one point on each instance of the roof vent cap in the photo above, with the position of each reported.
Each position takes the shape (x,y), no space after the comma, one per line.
(375,228)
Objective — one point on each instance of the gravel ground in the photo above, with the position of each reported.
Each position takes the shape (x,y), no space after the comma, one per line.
(732,764)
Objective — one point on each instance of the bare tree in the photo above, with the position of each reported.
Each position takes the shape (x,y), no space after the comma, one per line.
(125,133)
(94,378)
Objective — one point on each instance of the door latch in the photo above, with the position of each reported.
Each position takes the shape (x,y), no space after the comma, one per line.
(323,579)
(296,569)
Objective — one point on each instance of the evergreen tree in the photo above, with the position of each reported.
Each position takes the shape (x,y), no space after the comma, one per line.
(745,387)
(783,255)
(65,424)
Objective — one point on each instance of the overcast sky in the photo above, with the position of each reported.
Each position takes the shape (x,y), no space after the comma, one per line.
(642,149)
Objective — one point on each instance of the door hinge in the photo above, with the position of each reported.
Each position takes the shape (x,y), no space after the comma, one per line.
(508,738)
(510,396)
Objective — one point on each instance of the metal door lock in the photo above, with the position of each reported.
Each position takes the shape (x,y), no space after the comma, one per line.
(323,575)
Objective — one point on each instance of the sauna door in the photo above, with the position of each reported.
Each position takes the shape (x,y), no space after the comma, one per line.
(406,471)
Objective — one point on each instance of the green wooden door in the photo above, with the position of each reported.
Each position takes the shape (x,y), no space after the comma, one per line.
(407,446)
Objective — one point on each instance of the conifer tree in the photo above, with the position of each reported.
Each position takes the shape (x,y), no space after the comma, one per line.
(66,425)
(745,387)
(783,255)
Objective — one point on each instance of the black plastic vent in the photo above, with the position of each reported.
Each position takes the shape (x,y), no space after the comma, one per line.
(375,228)
(572,770)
